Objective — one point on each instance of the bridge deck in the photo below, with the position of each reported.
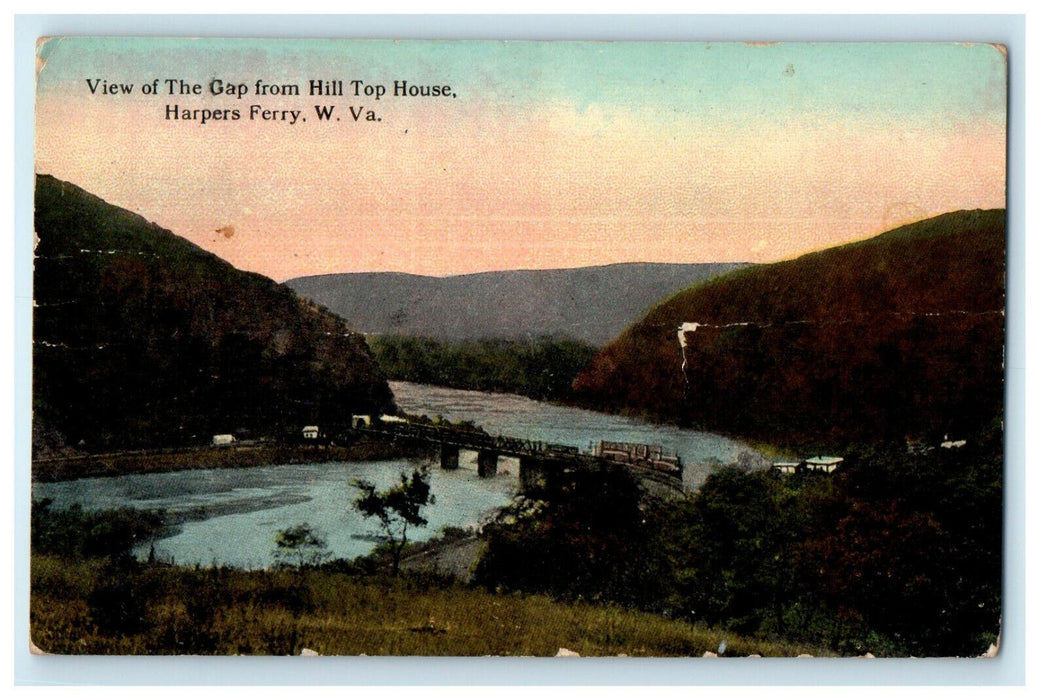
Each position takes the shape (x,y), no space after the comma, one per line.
(522,448)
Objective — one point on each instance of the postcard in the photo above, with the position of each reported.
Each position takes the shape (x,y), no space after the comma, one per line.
(518,348)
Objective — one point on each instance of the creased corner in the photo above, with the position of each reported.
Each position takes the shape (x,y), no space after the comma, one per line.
(42,52)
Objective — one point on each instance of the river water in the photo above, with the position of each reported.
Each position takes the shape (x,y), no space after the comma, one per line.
(230,516)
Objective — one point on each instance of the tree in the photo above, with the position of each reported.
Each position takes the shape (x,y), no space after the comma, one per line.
(587,539)
(300,546)
(397,509)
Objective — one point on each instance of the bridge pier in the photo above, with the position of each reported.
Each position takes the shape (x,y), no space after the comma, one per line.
(448,456)
(532,474)
(486,463)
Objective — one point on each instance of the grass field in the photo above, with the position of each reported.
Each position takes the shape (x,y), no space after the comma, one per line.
(87,607)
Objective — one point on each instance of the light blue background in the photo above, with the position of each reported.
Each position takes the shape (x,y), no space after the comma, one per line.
(1008,668)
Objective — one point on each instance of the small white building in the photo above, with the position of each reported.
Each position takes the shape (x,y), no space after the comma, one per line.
(224,439)
(385,418)
(786,467)
(824,464)
(952,444)
(361,421)
(311,432)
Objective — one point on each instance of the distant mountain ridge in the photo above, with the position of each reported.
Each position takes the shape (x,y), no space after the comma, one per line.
(592,304)
(901,335)
(141,338)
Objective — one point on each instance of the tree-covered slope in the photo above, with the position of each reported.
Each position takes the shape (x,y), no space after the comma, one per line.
(900,335)
(539,368)
(141,338)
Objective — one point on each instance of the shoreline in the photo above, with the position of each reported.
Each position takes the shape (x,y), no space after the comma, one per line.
(210,457)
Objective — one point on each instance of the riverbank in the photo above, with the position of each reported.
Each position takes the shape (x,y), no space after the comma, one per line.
(212,457)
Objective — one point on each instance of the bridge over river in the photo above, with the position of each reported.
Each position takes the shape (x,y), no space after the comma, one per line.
(540,462)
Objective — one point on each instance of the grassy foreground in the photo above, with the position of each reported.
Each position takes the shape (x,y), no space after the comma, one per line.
(90,607)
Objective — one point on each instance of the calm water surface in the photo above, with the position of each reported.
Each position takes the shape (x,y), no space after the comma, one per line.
(230,516)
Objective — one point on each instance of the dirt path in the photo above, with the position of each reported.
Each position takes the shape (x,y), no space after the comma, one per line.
(457,558)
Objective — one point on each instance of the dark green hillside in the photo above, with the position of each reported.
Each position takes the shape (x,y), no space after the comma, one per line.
(899,335)
(539,368)
(142,339)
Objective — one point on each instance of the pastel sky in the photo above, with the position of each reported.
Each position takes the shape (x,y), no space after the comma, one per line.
(549,155)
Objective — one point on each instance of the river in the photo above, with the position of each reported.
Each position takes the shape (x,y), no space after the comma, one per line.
(230,516)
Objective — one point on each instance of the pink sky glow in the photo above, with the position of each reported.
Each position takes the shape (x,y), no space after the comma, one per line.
(460,186)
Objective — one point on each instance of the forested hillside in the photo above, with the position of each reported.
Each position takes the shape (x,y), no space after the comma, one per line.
(898,336)
(141,338)
(591,304)
(541,368)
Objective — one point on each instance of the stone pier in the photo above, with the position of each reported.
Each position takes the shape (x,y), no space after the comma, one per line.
(448,456)
(486,463)
(532,474)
